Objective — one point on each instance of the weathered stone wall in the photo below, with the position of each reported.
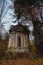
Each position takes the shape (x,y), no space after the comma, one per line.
(13,42)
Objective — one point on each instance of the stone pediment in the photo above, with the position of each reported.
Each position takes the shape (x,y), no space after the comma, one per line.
(19,28)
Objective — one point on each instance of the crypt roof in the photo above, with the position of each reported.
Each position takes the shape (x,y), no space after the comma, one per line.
(19,28)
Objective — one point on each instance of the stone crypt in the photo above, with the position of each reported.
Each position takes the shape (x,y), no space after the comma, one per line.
(18,39)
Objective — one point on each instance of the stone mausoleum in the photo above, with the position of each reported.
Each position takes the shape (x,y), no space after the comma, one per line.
(18,39)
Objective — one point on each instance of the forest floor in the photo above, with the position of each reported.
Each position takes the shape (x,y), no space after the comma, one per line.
(23,61)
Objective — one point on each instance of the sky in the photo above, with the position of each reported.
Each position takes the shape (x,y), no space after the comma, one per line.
(0,2)
(7,17)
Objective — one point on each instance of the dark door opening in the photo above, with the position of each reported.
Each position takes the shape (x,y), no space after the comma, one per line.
(19,41)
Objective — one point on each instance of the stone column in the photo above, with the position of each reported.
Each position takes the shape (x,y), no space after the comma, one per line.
(16,40)
(26,37)
(25,40)
(22,43)
(14,43)
(13,40)
(10,41)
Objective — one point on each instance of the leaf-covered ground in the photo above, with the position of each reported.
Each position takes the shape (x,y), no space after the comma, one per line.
(22,61)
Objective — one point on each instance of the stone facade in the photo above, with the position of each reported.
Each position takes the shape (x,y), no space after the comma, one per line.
(18,39)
